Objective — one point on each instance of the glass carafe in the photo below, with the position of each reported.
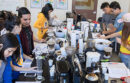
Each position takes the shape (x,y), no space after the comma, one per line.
(39,63)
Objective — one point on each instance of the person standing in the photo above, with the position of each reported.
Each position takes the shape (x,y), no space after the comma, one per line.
(26,34)
(42,22)
(124,41)
(107,18)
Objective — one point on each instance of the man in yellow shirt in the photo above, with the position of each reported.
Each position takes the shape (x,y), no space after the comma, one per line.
(42,22)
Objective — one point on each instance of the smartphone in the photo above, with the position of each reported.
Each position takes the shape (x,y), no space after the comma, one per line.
(113,81)
(30,74)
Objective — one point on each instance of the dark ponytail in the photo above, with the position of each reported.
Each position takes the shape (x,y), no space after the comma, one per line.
(46,9)
(12,22)
(22,11)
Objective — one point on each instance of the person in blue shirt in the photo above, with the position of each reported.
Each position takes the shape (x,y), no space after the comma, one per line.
(9,50)
(116,9)
(118,26)
(13,25)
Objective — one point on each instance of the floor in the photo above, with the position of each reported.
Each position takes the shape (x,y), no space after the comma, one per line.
(115,58)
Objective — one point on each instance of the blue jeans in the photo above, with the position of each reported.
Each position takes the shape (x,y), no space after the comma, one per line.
(125,59)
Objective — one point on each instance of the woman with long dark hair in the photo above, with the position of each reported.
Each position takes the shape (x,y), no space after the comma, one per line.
(9,52)
(124,41)
(26,32)
(42,22)
(13,25)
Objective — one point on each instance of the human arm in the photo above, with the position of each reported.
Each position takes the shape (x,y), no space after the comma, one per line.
(127,46)
(110,36)
(37,40)
(111,30)
(0,62)
(16,68)
(118,40)
(104,26)
(27,57)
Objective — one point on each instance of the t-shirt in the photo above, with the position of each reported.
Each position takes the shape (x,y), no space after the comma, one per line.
(20,62)
(122,48)
(118,25)
(2,68)
(108,19)
(41,22)
(7,75)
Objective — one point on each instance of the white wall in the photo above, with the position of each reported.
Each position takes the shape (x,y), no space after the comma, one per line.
(129,7)
(125,5)
(61,14)
(11,5)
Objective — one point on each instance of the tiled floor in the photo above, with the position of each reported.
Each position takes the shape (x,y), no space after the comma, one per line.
(115,58)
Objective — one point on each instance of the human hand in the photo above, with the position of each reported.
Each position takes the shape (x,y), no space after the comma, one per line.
(118,40)
(31,68)
(128,47)
(127,79)
(81,73)
(98,35)
(50,27)
(101,36)
(54,17)
(104,32)
(30,56)
(42,28)
(42,40)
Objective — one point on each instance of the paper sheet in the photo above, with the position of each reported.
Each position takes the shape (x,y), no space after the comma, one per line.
(28,82)
(27,64)
(117,70)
